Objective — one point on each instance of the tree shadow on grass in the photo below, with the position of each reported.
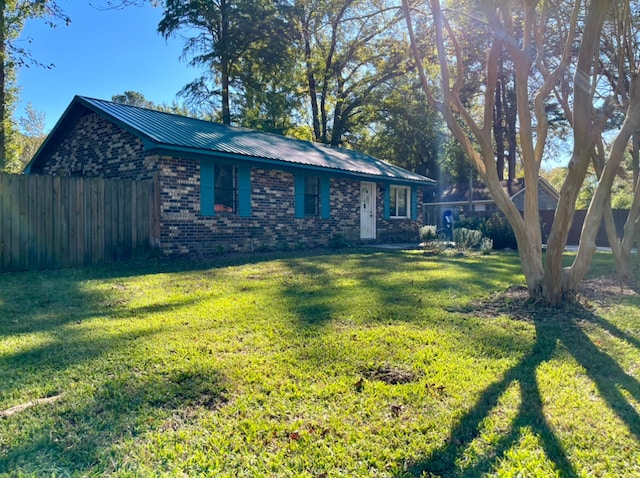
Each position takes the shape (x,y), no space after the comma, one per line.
(45,350)
(554,328)
(80,437)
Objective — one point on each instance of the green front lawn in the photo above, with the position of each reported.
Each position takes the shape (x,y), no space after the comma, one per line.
(346,364)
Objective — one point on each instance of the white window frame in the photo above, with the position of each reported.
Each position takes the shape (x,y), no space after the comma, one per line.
(393,201)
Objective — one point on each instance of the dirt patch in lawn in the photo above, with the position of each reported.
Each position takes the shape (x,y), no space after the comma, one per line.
(390,375)
(514,301)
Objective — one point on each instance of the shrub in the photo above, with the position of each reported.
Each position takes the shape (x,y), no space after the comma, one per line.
(476,223)
(338,241)
(428,233)
(486,245)
(466,238)
(498,229)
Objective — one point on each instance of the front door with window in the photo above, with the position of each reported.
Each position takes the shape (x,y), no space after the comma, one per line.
(367,210)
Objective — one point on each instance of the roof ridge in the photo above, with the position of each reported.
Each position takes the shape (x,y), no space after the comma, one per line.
(197,138)
(233,127)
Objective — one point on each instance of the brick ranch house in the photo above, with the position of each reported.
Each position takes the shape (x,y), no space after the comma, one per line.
(232,189)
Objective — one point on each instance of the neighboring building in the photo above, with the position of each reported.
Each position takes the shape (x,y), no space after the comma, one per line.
(223,188)
(459,198)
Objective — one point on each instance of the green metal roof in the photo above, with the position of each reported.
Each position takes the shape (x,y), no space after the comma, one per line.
(183,135)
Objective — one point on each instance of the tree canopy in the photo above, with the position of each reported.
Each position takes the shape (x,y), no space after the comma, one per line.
(13,15)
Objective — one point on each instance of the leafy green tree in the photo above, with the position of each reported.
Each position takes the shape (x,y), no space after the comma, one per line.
(220,34)
(402,128)
(28,138)
(455,165)
(13,15)
(135,98)
(350,49)
(268,80)
(132,98)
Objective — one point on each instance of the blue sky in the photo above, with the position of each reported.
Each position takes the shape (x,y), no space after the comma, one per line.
(100,54)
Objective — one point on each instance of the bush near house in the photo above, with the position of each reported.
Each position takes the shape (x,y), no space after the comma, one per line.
(496,228)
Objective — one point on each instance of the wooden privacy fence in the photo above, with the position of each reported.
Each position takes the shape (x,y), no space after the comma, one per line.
(50,222)
(573,239)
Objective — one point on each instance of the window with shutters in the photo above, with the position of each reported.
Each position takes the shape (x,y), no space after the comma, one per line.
(400,203)
(311,196)
(224,188)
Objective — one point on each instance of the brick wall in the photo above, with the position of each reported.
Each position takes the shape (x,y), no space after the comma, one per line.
(272,224)
(95,147)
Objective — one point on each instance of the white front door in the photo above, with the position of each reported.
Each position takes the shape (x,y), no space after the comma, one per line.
(367,210)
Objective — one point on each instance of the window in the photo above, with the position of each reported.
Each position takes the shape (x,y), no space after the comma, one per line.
(224,188)
(399,201)
(311,196)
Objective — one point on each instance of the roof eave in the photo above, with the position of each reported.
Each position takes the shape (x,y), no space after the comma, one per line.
(77,101)
(52,137)
(190,153)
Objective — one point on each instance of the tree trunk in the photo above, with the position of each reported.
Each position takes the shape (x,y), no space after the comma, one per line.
(498,130)
(587,246)
(311,80)
(557,283)
(632,225)
(338,116)
(609,222)
(225,63)
(512,114)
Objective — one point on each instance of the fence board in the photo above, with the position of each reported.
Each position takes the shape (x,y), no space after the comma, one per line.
(57,223)
(23,205)
(5,204)
(72,252)
(88,232)
(133,211)
(120,221)
(14,210)
(126,222)
(98,209)
(49,222)
(95,253)
(64,223)
(47,207)
(32,260)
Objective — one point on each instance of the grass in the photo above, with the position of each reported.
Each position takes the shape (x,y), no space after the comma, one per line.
(279,366)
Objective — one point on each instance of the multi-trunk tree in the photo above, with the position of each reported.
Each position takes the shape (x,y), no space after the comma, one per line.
(555,53)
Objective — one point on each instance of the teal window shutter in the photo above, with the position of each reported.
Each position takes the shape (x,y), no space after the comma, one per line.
(244,191)
(325,198)
(414,203)
(206,188)
(387,201)
(299,195)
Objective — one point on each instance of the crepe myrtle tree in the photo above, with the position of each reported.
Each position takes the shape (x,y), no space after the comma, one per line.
(554,50)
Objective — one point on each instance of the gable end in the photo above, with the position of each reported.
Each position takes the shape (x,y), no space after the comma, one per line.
(91,146)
